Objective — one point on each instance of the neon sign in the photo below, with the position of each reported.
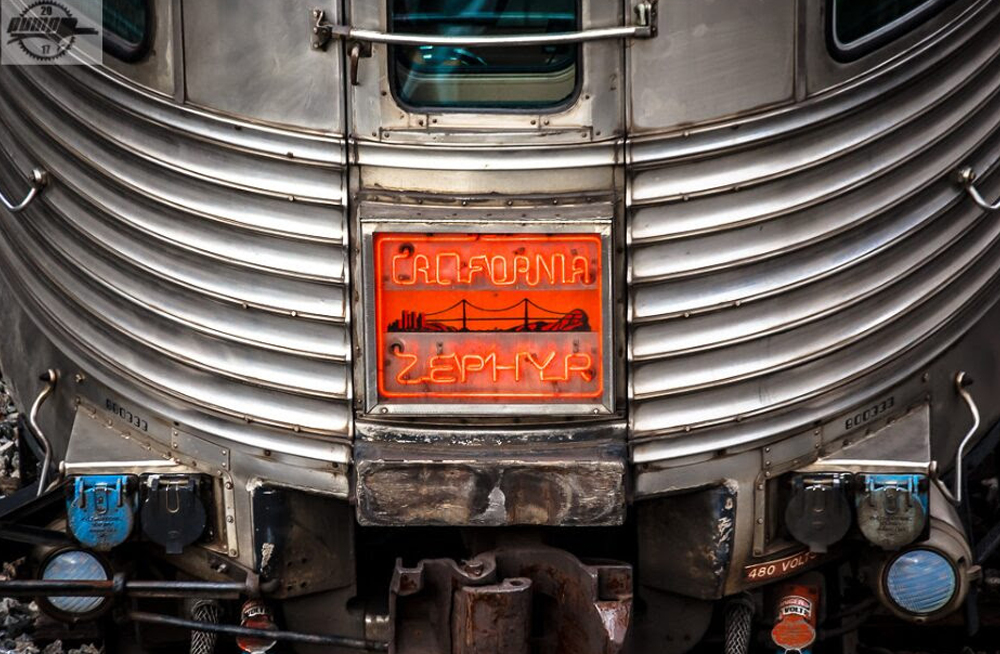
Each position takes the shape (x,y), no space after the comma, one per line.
(488,318)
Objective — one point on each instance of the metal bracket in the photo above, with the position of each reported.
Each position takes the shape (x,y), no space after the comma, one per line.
(646,15)
(324,31)
(39,180)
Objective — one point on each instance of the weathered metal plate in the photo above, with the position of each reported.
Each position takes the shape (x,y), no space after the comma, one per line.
(477,488)
(487,323)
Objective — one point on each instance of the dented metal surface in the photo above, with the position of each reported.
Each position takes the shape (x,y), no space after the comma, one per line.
(699,529)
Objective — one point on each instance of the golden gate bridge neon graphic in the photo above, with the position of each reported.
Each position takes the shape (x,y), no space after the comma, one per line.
(464,316)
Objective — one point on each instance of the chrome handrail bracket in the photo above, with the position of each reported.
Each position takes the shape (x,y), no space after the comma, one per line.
(39,180)
(967,178)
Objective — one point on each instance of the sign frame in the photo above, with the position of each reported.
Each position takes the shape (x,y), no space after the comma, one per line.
(375,405)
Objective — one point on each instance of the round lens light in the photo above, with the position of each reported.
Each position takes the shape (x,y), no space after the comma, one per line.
(921,581)
(75,565)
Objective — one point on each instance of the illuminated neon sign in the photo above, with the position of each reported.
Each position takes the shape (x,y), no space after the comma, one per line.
(489,318)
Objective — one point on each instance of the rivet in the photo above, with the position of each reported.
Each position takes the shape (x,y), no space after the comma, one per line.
(232,552)
(230,519)
(229,485)
(767,473)
(760,521)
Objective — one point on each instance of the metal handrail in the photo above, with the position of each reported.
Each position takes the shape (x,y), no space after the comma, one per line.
(39,179)
(497,40)
(962,380)
(50,377)
(967,178)
(644,28)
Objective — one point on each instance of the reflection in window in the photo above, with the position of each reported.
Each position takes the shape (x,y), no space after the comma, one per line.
(126,28)
(484,77)
(857,21)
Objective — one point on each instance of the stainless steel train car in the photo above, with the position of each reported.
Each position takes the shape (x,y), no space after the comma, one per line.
(468,326)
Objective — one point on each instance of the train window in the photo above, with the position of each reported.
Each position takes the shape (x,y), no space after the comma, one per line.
(484,77)
(859,26)
(127,24)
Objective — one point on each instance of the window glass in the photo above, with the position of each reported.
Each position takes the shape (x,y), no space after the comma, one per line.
(484,77)
(865,21)
(126,28)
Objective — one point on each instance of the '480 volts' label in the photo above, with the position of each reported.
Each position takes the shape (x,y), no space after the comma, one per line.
(778,568)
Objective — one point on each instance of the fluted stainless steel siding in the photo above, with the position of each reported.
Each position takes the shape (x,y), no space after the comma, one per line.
(197,258)
(776,259)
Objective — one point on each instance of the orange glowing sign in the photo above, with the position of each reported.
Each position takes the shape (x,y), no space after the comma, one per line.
(489,318)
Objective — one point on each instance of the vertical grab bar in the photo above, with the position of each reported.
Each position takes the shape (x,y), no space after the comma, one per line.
(50,377)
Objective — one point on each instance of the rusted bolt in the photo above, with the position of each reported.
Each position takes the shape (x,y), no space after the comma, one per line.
(474,568)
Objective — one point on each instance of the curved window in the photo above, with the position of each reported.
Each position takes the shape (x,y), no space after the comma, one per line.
(127,25)
(525,77)
(859,26)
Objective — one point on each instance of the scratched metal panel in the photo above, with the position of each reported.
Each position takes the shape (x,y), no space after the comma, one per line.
(811,249)
(195,259)
(256,61)
(711,60)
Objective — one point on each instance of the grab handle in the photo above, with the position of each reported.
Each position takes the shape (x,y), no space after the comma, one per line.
(967,178)
(962,381)
(324,32)
(39,178)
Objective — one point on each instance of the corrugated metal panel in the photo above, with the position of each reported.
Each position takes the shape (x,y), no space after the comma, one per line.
(771,265)
(194,257)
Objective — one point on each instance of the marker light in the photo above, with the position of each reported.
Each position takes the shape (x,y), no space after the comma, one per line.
(921,581)
(76,565)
